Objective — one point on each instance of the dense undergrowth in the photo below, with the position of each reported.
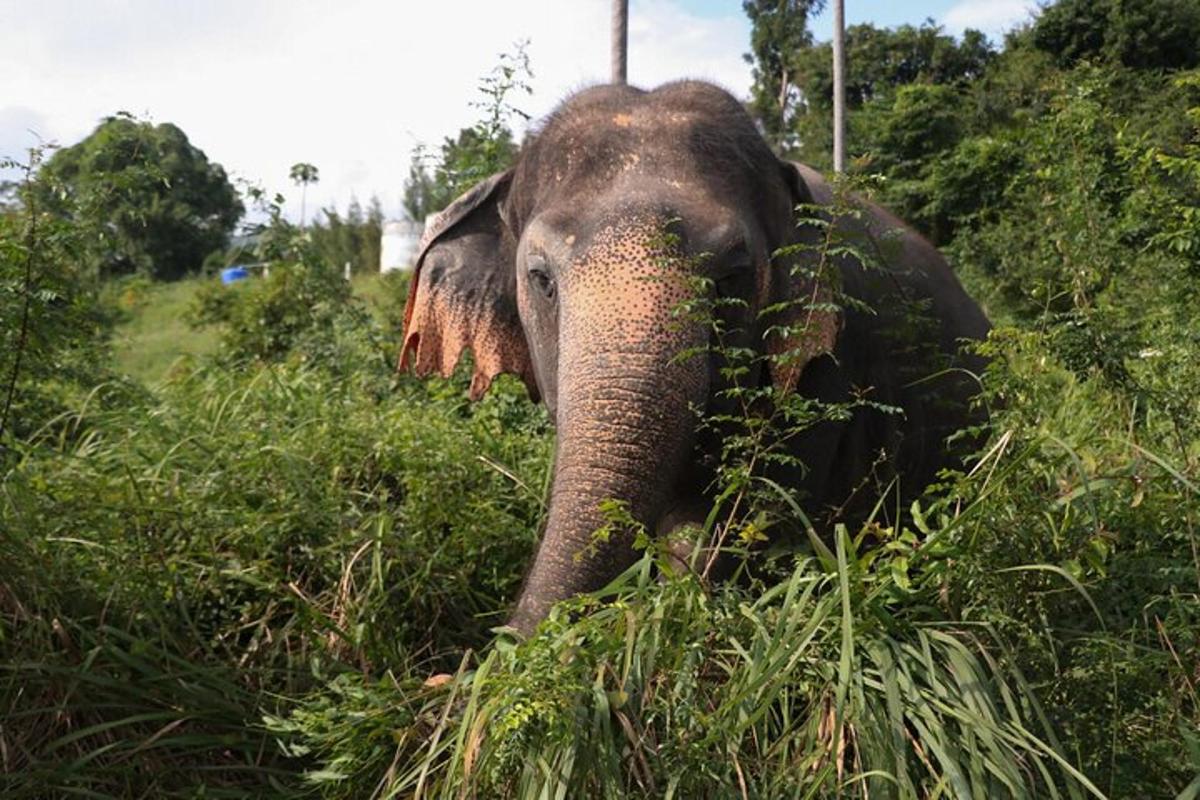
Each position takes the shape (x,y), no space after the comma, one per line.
(278,571)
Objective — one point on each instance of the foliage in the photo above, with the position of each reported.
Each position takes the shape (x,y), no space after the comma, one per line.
(1075,539)
(922,122)
(149,200)
(294,307)
(301,305)
(173,574)
(778,34)
(810,687)
(354,238)
(879,60)
(485,148)
(53,320)
(1147,34)
(303,174)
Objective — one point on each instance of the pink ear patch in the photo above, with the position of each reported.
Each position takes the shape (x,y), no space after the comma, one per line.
(442,324)
(459,307)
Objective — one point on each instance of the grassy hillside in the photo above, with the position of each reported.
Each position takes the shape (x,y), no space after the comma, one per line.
(156,331)
(156,328)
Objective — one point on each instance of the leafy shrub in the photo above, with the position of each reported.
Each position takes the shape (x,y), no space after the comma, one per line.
(265,319)
(54,319)
(244,535)
(301,305)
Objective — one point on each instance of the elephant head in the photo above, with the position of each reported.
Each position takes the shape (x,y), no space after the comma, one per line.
(565,271)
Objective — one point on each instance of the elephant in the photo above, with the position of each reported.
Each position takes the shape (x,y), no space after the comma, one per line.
(557,271)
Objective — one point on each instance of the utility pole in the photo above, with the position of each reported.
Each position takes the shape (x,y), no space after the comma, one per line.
(839,86)
(620,40)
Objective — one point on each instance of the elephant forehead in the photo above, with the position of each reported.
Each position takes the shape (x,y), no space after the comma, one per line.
(676,147)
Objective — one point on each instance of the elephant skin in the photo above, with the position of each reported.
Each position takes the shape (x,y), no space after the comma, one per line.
(565,270)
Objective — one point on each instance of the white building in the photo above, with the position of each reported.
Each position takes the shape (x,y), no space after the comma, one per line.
(398,245)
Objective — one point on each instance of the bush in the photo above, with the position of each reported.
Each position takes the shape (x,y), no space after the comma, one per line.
(294,306)
(204,555)
(54,319)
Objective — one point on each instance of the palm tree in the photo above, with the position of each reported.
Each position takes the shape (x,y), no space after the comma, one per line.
(302,174)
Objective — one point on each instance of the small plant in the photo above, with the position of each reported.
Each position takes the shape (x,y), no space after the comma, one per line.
(54,322)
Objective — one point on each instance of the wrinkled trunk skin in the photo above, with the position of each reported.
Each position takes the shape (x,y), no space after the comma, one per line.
(624,439)
(625,425)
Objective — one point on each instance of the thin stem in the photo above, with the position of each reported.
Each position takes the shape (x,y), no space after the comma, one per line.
(23,335)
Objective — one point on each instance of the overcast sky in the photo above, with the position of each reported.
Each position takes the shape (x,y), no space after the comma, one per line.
(353,85)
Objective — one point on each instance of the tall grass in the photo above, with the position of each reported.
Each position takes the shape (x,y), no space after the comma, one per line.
(171,571)
(817,686)
(155,330)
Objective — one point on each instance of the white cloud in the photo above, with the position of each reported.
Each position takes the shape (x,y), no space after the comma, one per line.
(351,86)
(993,17)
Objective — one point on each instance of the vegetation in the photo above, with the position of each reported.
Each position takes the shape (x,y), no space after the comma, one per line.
(153,332)
(154,202)
(485,148)
(353,238)
(303,174)
(277,571)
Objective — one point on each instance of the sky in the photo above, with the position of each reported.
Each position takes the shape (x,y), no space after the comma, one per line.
(354,86)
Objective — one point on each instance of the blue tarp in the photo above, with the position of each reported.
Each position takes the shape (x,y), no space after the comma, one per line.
(233,274)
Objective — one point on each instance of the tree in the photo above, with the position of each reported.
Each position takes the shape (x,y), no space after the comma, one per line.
(423,194)
(302,174)
(156,203)
(792,96)
(485,148)
(778,35)
(54,328)
(462,161)
(353,238)
(1140,34)
(907,138)
(878,60)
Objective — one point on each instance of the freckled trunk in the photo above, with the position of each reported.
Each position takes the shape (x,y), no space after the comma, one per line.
(625,430)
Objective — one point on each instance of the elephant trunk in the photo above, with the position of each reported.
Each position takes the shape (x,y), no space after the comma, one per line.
(625,432)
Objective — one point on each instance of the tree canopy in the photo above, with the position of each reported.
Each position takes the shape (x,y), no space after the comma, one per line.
(779,35)
(878,60)
(462,161)
(1140,34)
(156,202)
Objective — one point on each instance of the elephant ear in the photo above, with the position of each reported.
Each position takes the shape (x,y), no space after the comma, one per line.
(463,293)
(808,321)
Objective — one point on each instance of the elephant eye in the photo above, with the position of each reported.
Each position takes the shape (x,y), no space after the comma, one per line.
(540,279)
